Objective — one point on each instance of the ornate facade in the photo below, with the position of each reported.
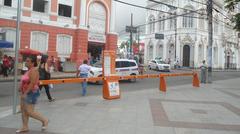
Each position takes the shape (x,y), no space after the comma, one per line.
(186,36)
(73,29)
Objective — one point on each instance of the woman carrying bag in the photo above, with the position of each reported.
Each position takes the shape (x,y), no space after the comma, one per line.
(44,74)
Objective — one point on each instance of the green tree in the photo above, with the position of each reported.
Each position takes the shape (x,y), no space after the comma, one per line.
(231,5)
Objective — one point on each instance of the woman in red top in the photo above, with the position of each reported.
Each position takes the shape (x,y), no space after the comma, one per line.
(5,66)
(29,91)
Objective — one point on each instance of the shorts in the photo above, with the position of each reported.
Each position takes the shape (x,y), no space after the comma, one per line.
(32,97)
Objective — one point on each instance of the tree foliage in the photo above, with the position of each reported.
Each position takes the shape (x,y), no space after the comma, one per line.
(231,5)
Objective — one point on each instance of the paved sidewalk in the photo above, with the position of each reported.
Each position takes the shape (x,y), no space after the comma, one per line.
(211,109)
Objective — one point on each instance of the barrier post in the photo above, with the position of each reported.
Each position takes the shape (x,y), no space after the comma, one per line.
(162,85)
(111,81)
(195,82)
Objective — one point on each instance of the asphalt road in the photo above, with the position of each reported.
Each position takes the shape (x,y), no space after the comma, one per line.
(67,91)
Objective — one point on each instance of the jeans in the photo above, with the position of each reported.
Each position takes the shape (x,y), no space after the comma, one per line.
(31,97)
(46,90)
(84,84)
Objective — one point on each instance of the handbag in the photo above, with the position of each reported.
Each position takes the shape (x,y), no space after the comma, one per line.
(47,75)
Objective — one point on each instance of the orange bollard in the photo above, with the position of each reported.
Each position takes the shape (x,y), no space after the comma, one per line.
(196,82)
(111,88)
(162,86)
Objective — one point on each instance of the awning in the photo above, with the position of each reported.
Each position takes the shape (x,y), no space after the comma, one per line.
(6,44)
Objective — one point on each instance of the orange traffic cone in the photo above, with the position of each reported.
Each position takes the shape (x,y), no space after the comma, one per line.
(162,86)
(196,82)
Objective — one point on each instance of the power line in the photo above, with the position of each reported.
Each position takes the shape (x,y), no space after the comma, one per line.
(199,2)
(171,17)
(221,13)
(147,8)
(171,6)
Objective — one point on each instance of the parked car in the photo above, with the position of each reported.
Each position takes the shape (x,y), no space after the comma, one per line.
(159,65)
(124,67)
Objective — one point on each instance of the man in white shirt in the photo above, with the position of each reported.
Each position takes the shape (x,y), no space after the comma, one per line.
(203,68)
(83,71)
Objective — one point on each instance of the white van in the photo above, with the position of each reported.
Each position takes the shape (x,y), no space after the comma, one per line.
(124,67)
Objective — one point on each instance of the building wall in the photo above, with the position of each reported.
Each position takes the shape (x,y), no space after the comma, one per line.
(53,25)
(225,40)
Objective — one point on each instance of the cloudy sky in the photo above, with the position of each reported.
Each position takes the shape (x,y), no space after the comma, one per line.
(123,14)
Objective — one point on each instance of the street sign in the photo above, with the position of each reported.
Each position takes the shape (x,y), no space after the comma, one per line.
(131,29)
(159,36)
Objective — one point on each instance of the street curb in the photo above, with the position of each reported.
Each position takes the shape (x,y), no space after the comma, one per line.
(60,77)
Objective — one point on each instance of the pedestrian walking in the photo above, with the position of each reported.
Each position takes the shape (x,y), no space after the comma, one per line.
(203,68)
(29,92)
(11,65)
(44,74)
(83,70)
(5,66)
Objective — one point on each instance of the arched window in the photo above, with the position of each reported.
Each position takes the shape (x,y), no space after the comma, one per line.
(151,24)
(172,23)
(215,50)
(97,22)
(216,24)
(188,21)
(161,23)
(159,51)
(39,41)
(201,21)
(64,45)
(150,52)
(200,53)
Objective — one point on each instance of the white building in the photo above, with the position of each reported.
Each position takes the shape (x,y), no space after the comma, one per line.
(191,44)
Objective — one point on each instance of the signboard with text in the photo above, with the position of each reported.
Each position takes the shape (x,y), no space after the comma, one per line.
(159,36)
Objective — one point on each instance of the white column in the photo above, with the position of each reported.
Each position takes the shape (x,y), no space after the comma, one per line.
(113,16)
(146,52)
(178,50)
(196,52)
(165,49)
(205,52)
(238,59)
(83,13)
(222,57)
(154,48)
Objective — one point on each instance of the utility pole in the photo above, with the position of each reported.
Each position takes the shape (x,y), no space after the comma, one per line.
(175,37)
(210,38)
(15,98)
(131,29)
(131,36)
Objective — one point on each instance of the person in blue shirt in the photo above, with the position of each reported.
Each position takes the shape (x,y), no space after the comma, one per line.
(83,71)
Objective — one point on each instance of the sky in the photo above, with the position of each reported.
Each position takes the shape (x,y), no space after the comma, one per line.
(123,14)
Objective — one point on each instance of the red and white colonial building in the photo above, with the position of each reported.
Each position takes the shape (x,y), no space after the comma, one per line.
(73,29)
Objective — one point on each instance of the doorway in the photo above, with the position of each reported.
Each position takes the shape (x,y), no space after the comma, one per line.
(186,56)
(95,51)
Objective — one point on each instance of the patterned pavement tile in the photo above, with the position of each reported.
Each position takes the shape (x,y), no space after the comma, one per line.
(195,114)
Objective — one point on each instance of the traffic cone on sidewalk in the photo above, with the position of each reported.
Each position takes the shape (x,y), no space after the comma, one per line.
(196,82)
